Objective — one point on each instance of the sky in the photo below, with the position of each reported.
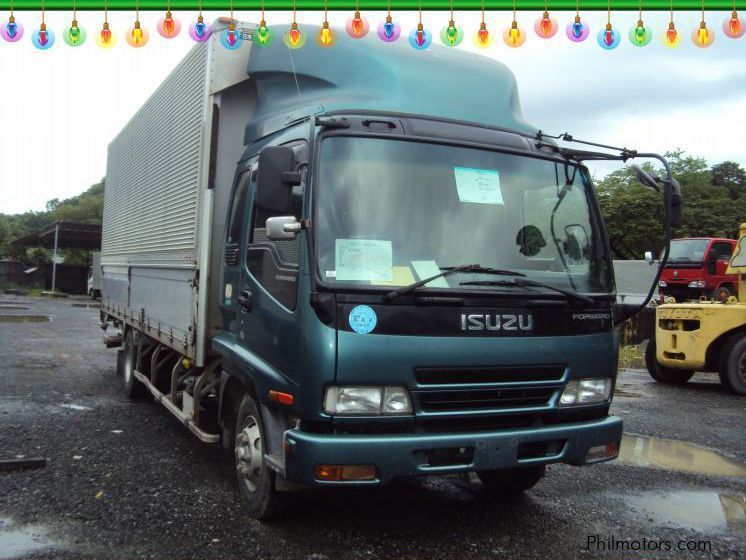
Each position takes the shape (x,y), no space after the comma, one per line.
(61,107)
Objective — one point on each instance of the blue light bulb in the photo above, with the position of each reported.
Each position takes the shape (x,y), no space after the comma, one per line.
(388,29)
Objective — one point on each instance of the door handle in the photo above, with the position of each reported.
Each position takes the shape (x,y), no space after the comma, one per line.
(244,300)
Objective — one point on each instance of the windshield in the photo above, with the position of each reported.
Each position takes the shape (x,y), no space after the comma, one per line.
(393,212)
(687,250)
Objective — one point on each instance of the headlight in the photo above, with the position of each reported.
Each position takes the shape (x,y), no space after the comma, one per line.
(586,391)
(662,284)
(697,284)
(367,400)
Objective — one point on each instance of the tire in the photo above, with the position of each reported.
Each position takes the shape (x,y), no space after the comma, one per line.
(133,389)
(120,363)
(256,480)
(506,482)
(722,294)
(733,364)
(663,374)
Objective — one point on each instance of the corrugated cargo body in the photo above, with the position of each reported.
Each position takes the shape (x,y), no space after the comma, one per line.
(166,193)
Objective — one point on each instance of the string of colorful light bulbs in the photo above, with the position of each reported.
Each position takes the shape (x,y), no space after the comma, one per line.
(357,26)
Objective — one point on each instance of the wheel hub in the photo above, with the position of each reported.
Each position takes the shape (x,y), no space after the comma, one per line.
(249,453)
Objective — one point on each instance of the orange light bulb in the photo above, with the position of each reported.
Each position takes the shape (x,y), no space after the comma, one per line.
(295,34)
(483,36)
(357,24)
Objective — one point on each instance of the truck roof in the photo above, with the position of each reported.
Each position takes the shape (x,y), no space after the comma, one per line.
(369,74)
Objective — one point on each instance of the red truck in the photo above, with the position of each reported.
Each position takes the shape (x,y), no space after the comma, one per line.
(696,267)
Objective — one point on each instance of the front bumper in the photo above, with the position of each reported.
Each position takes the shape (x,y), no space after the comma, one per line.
(402,455)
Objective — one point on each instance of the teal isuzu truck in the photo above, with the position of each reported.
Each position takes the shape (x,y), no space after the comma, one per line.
(356,264)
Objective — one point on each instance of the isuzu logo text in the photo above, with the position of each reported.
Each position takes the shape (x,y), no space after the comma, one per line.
(497,322)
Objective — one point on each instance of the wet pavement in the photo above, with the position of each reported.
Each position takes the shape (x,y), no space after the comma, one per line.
(125,480)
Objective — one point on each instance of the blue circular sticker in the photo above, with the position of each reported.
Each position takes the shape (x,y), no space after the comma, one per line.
(363,319)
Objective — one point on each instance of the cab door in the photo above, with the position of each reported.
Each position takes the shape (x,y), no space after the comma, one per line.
(235,240)
(268,294)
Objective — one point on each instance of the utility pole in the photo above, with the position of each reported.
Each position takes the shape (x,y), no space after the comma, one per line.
(54,258)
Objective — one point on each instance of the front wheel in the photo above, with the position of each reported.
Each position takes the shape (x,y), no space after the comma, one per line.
(733,364)
(663,374)
(255,479)
(722,294)
(504,482)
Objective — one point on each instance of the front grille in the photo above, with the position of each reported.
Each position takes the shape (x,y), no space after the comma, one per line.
(490,399)
(431,425)
(468,375)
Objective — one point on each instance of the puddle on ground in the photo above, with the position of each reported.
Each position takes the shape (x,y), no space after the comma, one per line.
(707,512)
(24,318)
(16,541)
(672,455)
(73,406)
(88,305)
(622,392)
(13,306)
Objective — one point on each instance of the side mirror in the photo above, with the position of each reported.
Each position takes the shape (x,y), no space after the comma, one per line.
(276,178)
(281,228)
(646,179)
(649,257)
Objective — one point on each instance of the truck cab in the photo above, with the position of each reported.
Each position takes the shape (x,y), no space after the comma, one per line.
(697,268)
(406,294)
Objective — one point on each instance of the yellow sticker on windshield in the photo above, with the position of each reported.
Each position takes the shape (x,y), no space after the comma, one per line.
(402,276)
(481,186)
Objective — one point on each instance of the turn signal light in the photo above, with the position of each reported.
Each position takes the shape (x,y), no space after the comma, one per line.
(282,398)
(602,452)
(340,473)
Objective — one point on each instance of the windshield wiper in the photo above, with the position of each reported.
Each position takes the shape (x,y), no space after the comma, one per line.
(526,283)
(447,271)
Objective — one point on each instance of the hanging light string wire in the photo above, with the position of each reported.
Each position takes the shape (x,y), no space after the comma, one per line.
(608,13)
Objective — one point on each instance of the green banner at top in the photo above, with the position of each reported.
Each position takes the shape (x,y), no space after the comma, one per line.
(347,5)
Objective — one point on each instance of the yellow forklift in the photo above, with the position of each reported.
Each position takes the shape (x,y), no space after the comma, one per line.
(704,335)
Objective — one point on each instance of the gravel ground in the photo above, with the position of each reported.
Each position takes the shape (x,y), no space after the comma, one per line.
(125,480)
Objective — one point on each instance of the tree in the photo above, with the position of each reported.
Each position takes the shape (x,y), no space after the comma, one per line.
(634,215)
(86,207)
(731,176)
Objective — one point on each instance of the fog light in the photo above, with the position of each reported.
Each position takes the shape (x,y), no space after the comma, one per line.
(340,473)
(602,452)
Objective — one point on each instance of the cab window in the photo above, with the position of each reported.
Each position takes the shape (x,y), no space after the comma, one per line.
(274,264)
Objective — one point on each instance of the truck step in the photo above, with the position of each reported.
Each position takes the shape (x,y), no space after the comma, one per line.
(185,419)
